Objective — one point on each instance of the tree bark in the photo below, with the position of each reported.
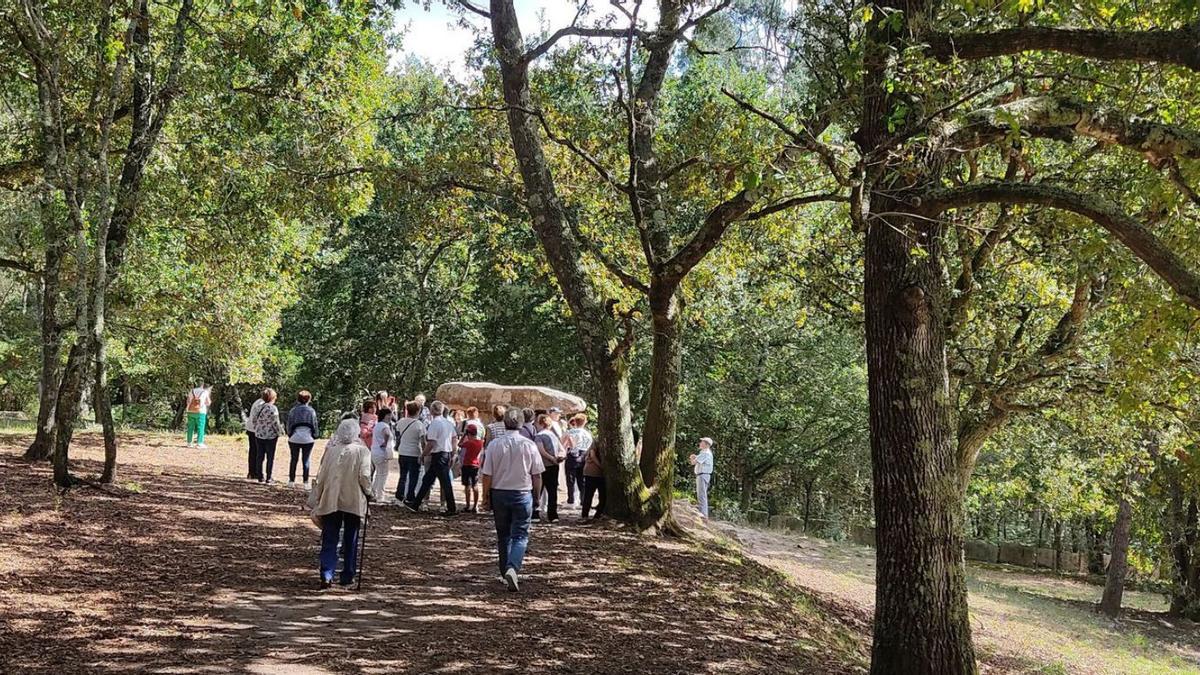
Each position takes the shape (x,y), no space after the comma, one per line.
(598,329)
(48,378)
(1058,545)
(1183,531)
(658,445)
(1095,547)
(1118,564)
(921,623)
(102,401)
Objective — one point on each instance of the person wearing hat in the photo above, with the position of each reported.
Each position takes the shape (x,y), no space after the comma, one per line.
(556,422)
(703,465)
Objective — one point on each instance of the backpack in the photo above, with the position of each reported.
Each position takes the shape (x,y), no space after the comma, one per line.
(193,402)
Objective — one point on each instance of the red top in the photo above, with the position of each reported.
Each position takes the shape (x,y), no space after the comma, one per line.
(472,449)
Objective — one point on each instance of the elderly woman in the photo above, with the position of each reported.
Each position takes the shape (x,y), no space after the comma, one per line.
(339,500)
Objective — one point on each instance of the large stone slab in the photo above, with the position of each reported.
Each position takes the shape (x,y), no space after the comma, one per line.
(1016,554)
(982,551)
(484,395)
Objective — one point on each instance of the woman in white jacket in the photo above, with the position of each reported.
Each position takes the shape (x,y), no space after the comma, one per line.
(339,500)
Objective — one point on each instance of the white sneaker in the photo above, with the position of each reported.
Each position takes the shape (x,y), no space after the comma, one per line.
(202,446)
(188,444)
(308,485)
(510,580)
(292,484)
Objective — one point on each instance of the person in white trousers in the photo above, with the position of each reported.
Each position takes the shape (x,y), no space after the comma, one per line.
(702,463)
(382,442)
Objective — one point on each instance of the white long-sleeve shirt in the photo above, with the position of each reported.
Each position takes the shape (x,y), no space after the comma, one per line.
(704,462)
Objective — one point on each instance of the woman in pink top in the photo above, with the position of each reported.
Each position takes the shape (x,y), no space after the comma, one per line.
(366,422)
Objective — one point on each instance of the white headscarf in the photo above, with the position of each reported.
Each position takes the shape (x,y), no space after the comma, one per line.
(346,434)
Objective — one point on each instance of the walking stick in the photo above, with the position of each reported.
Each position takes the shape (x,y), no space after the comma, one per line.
(362,547)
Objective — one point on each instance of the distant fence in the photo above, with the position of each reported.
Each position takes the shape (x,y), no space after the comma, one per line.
(12,419)
(974,549)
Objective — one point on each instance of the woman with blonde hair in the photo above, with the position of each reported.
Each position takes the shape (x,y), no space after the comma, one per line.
(339,500)
(267,429)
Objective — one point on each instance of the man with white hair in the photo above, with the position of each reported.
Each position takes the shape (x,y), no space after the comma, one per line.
(440,440)
(702,463)
(512,474)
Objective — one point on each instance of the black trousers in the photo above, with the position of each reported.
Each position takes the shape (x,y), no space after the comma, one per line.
(592,485)
(439,470)
(299,451)
(266,452)
(252,457)
(550,485)
(574,479)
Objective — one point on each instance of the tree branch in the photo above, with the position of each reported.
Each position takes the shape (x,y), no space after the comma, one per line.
(1140,241)
(472,7)
(9,263)
(1178,46)
(1062,119)
(792,203)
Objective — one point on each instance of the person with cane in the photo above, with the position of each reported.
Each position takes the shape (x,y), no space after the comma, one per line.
(339,501)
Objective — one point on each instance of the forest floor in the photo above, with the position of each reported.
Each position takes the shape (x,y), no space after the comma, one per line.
(185,567)
(1022,620)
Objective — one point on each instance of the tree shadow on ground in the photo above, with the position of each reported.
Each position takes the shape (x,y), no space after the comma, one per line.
(192,573)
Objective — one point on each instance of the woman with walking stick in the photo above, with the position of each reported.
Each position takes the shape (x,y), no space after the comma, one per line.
(339,500)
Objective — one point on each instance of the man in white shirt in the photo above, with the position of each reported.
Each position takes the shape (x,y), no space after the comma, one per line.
(512,474)
(702,462)
(440,442)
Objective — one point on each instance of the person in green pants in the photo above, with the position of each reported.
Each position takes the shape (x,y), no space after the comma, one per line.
(198,400)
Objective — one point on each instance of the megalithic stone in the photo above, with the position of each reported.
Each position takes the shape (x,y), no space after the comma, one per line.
(484,395)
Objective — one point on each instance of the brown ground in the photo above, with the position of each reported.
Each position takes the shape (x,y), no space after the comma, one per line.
(188,568)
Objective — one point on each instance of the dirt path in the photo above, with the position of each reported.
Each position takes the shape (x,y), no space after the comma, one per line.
(1021,621)
(191,569)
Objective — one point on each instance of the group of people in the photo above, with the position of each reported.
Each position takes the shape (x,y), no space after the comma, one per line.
(511,466)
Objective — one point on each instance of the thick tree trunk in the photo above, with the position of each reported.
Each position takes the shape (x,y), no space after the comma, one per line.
(614,434)
(658,442)
(48,379)
(921,621)
(599,330)
(1184,539)
(1118,564)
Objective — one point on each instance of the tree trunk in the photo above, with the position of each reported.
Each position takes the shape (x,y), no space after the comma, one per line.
(1184,539)
(658,441)
(808,485)
(1095,547)
(66,409)
(48,379)
(747,490)
(614,429)
(103,404)
(1114,587)
(921,621)
(598,329)
(1058,545)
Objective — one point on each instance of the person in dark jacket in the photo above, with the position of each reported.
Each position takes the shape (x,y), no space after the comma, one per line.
(303,430)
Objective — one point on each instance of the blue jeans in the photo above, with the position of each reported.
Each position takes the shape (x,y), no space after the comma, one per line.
(345,525)
(298,450)
(410,475)
(512,510)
